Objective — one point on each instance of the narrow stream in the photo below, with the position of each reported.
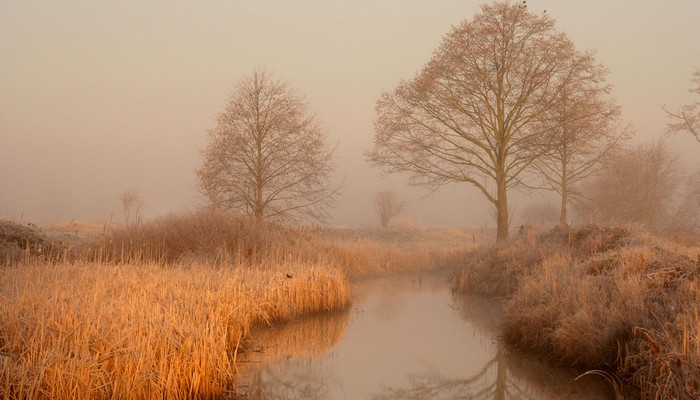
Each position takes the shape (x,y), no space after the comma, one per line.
(404,337)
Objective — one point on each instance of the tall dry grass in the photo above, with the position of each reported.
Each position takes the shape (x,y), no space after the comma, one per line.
(370,252)
(86,331)
(220,239)
(207,237)
(163,310)
(618,302)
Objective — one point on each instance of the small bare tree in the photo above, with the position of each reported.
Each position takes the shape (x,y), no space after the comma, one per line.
(268,157)
(132,204)
(686,218)
(584,128)
(687,118)
(388,205)
(638,186)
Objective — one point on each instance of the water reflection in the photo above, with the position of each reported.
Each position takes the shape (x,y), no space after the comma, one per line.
(404,338)
(524,375)
(264,365)
(489,383)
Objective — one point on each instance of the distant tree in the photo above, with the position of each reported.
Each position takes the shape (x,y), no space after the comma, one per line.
(470,113)
(388,205)
(638,186)
(267,156)
(132,205)
(584,128)
(686,218)
(540,212)
(687,118)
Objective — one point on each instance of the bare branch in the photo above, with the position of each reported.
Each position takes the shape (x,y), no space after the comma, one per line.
(475,112)
(388,205)
(267,157)
(687,118)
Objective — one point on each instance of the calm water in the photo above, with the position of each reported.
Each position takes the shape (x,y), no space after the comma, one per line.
(403,338)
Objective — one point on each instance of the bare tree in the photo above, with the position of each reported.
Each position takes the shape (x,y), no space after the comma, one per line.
(584,128)
(687,118)
(540,212)
(132,204)
(638,186)
(267,156)
(388,205)
(686,217)
(469,114)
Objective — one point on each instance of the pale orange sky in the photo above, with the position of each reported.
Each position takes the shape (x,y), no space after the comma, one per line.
(100,97)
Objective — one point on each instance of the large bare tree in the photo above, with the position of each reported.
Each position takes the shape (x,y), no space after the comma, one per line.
(268,157)
(687,118)
(469,114)
(584,127)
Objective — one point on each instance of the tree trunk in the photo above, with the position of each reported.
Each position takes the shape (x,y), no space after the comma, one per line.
(562,215)
(502,221)
(564,195)
(259,209)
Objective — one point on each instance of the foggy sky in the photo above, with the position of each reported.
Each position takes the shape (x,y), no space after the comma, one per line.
(100,97)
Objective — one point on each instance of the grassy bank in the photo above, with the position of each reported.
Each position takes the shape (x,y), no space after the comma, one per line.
(87,331)
(600,299)
(219,239)
(163,310)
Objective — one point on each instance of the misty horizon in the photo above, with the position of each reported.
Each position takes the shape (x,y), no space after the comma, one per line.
(100,99)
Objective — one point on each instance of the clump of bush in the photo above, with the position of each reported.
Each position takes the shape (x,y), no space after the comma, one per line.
(498,270)
(216,238)
(601,299)
(202,237)
(19,242)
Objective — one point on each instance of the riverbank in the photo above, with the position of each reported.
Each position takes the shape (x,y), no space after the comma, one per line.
(87,331)
(164,310)
(619,303)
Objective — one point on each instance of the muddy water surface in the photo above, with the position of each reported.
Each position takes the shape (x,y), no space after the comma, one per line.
(404,337)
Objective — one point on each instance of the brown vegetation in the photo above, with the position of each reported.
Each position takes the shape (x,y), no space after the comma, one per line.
(600,299)
(89,331)
(219,239)
(164,309)
(22,243)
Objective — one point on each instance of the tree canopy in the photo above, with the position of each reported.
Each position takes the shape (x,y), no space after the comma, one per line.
(475,113)
(584,126)
(268,157)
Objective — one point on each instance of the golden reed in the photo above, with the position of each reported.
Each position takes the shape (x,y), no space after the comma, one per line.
(87,331)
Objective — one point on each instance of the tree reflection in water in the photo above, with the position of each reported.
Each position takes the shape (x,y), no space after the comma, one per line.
(402,342)
(489,383)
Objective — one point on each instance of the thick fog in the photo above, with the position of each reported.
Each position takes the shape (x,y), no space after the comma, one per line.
(97,98)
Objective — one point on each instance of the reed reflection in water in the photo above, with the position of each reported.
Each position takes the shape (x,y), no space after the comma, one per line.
(263,365)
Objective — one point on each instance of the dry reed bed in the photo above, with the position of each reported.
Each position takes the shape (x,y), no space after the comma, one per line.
(601,299)
(87,331)
(216,238)
(157,312)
